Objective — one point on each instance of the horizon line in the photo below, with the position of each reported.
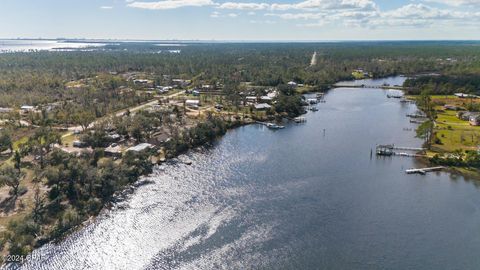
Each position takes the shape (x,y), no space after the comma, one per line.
(234,40)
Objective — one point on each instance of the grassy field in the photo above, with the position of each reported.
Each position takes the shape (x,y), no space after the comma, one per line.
(455,133)
(453,100)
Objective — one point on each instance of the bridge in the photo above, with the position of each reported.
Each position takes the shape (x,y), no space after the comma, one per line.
(387,87)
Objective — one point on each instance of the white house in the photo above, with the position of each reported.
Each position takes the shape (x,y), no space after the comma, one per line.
(292,84)
(192,103)
(262,106)
(5,110)
(140,147)
(27,108)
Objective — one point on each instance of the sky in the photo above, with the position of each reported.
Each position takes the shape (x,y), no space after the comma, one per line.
(288,20)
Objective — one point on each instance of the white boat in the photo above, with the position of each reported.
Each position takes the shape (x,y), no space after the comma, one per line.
(274,126)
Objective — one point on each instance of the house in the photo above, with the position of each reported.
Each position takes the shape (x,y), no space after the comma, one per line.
(181,83)
(465,116)
(475,120)
(266,99)
(208,87)
(262,107)
(114,137)
(292,84)
(251,99)
(140,147)
(113,151)
(272,94)
(79,144)
(192,103)
(27,108)
(159,138)
(5,110)
(141,81)
(196,93)
(164,89)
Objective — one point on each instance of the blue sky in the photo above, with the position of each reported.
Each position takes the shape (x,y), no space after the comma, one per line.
(241,20)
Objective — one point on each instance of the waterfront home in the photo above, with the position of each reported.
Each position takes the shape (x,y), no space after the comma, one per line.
(262,107)
(140,147)
(159,138)
(475,120)
(192,103)
(465,116)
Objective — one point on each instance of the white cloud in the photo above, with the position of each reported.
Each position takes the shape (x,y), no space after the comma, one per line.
(106,7)
(456,2)
(170,4)
(263,22)
(244,6)
(410,15)
(298,16)
(304,5)
(217,14)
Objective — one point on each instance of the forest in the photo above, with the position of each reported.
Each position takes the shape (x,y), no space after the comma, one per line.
(43,77)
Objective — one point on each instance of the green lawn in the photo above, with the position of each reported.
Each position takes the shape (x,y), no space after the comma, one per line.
(455,133)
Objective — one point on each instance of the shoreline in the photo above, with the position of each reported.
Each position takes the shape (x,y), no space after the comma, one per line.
(124,192)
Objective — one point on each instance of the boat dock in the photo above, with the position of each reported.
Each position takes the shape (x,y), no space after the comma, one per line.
(424,170)
(389,150)
(416,116)
(408,148)
(270,125)
(417,122)
(299,119)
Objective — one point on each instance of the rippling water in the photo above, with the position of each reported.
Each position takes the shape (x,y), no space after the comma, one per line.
(11,45)
(305,197)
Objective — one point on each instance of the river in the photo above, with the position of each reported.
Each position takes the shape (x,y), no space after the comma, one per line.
(309,196)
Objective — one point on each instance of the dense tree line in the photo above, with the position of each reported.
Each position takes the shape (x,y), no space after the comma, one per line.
(445,84)
(42,77)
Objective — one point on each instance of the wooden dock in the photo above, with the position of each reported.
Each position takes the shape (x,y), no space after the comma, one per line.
(424,170)
(408,148)
(389,150)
